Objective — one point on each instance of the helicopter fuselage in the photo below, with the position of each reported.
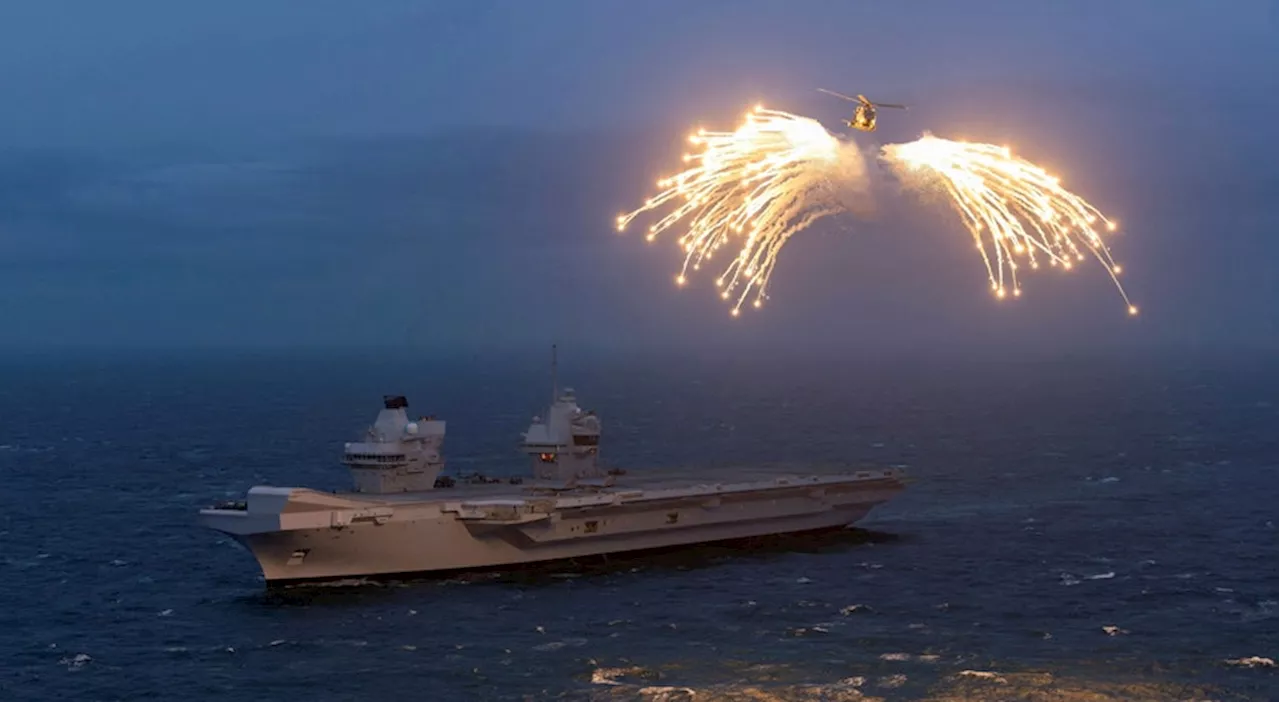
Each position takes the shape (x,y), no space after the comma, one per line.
(864,114)
(864,119)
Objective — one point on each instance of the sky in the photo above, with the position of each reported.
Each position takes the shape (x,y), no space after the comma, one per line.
(82,72)
(262,172)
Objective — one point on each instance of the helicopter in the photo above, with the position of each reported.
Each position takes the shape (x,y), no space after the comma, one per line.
(864,115)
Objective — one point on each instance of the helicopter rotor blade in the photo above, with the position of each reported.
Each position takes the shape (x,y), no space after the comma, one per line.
(839,95)
(886,104)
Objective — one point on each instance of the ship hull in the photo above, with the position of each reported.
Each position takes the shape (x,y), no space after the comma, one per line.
(299,535)
(441,547)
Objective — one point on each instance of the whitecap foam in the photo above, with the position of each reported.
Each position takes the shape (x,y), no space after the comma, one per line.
(983,675)
(667,694)
(609,676)
(1251,662)
(77,661)
(19,448)
(892,680)
(557,645)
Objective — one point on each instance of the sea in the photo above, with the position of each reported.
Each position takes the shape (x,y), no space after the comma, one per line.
(1078,527)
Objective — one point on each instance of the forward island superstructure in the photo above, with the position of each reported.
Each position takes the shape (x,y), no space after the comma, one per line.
(404,516)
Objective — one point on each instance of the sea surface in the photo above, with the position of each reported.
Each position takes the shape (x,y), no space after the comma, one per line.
(1083,527)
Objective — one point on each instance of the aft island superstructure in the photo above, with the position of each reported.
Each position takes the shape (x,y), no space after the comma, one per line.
(405,517)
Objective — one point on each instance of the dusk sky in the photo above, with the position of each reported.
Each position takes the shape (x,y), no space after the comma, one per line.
(207,170)
(79,72)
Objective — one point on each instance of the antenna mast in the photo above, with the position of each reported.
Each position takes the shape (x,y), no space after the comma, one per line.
(555,380)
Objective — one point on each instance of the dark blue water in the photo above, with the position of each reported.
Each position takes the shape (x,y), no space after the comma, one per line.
(1054,498)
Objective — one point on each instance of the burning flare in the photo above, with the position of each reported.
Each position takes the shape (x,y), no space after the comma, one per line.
(779,173)
(754,188)
(1022,208)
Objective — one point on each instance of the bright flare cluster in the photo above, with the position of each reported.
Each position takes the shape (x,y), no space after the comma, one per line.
(1012,207)
(754,187)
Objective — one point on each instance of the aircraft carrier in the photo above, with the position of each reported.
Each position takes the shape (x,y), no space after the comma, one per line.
(405,517)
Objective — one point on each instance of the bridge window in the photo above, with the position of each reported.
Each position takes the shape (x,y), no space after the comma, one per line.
(376,457)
